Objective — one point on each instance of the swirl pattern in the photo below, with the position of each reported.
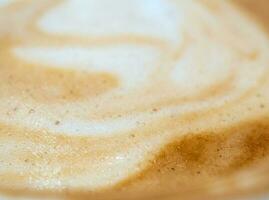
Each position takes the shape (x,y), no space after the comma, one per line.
(100,96)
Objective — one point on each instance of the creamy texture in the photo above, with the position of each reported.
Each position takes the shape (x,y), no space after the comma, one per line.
(101,97)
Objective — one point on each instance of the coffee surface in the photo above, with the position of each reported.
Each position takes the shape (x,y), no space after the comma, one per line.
(156,98)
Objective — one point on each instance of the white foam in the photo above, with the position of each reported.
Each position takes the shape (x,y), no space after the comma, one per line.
(156,18)
(72,123)
(207,69)
(203,64)
(130,63)
(133,65)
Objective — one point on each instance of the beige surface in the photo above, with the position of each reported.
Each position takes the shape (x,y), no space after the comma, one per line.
(254,143)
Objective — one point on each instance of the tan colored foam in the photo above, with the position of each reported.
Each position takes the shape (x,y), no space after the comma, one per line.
(188,118)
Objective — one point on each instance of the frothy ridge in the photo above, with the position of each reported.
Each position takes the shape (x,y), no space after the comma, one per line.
(98,95)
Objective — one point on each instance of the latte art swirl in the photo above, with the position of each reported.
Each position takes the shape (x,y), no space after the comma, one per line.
(109,96)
